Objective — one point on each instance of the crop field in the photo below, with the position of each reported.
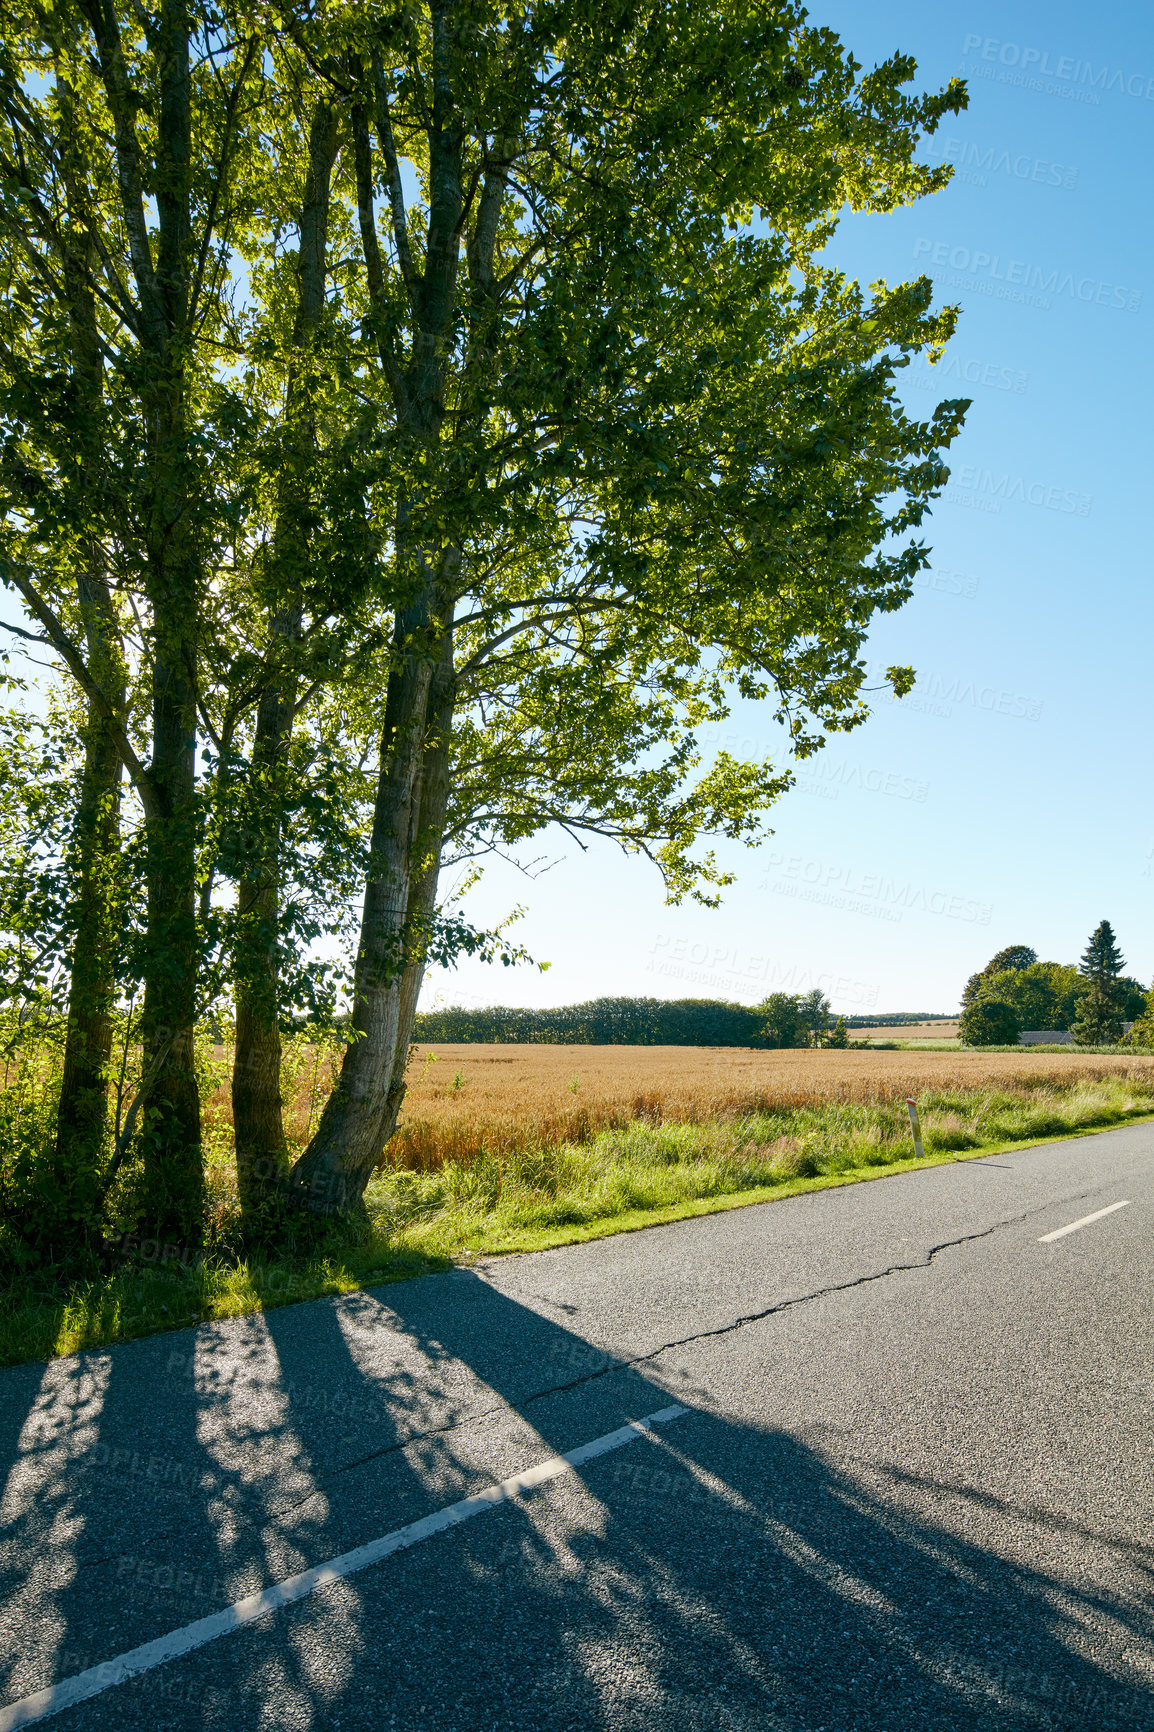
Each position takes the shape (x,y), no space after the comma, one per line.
(908,1031)
(463,1099)
(469,1102)
(515,1148)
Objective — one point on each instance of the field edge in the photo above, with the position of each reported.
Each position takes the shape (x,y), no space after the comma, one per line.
(637,1220)
(415,1265)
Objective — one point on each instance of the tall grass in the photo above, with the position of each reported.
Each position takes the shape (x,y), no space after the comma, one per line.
(477,1186)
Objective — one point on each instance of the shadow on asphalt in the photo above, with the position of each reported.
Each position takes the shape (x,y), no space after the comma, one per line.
(719,1575)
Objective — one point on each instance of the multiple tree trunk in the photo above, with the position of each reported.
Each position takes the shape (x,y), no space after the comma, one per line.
(262,1158)
(551,351)
(413,779)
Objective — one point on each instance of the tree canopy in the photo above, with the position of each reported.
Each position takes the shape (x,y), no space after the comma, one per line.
(416,426)
(1093,999)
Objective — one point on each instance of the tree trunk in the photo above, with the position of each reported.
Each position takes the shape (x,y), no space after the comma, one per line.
(423,892)
(412,791)
(82,1109)
(361,1112)
(262,1160)
(170,1135)
(82,1112)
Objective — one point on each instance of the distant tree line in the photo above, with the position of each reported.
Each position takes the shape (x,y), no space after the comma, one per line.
(1093,1000)
(601,1022)
(782,1020)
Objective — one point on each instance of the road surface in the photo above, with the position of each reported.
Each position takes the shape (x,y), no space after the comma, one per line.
(901,1478)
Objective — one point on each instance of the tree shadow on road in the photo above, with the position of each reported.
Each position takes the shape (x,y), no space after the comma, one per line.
(713,1575)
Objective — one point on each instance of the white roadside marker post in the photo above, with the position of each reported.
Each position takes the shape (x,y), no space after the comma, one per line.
(915,1127)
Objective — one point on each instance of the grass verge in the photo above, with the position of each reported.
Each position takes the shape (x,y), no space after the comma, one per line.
(637,1176)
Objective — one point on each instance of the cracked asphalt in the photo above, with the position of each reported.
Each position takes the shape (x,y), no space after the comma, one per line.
(912,1488)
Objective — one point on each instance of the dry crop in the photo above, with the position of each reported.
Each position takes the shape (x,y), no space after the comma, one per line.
(519,1148)
(465,1102)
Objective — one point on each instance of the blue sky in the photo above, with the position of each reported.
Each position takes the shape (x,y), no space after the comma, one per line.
(1007,800)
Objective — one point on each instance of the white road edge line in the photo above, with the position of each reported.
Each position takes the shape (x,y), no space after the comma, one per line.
(1048,1238)
(112,1672)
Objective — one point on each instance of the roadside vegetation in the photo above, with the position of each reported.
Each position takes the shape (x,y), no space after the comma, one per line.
(476,1170)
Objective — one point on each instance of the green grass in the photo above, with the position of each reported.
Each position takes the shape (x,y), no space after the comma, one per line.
(647,1173)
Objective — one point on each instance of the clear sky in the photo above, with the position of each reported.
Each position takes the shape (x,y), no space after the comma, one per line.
(1007,800)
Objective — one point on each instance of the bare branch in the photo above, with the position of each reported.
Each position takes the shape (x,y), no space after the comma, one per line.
(129,169)
(396,192)
(70,654)
(374,271)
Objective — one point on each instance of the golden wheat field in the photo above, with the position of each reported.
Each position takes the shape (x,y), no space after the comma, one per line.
(463,1100)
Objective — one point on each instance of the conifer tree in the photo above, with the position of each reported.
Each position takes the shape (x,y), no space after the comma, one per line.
(1099,1021)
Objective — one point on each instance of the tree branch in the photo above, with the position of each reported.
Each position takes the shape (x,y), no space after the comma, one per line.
(70,654)
(396,192)
(374,270)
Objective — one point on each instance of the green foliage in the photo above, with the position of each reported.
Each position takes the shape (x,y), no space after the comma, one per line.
(1099,1019)
(785,1020)
(815,1010)
(601,1022)
(989,1022)
(1142,1033)
(1102,959)
(901,680)
(1014,956)
(1043,994)
(1103,997)
(39,783)
(1093,1000)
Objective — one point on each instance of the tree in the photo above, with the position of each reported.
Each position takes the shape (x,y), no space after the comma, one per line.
(640,451)
(120,136)
(458,518)
(1099,1019)
(1100,1002)
(1102,960)
(989,1022)
(784,1023)
(1142,1033)
(815,1010)
(1014,956)
(838,1038)
(1043,994)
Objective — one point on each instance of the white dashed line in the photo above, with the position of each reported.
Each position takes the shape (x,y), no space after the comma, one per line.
(1048,1238)
(112,1672)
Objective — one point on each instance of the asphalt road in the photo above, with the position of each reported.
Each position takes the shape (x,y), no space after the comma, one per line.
(911,1488)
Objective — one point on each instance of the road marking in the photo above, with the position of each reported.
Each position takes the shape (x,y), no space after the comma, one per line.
(1048,1238)
(112,1672)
